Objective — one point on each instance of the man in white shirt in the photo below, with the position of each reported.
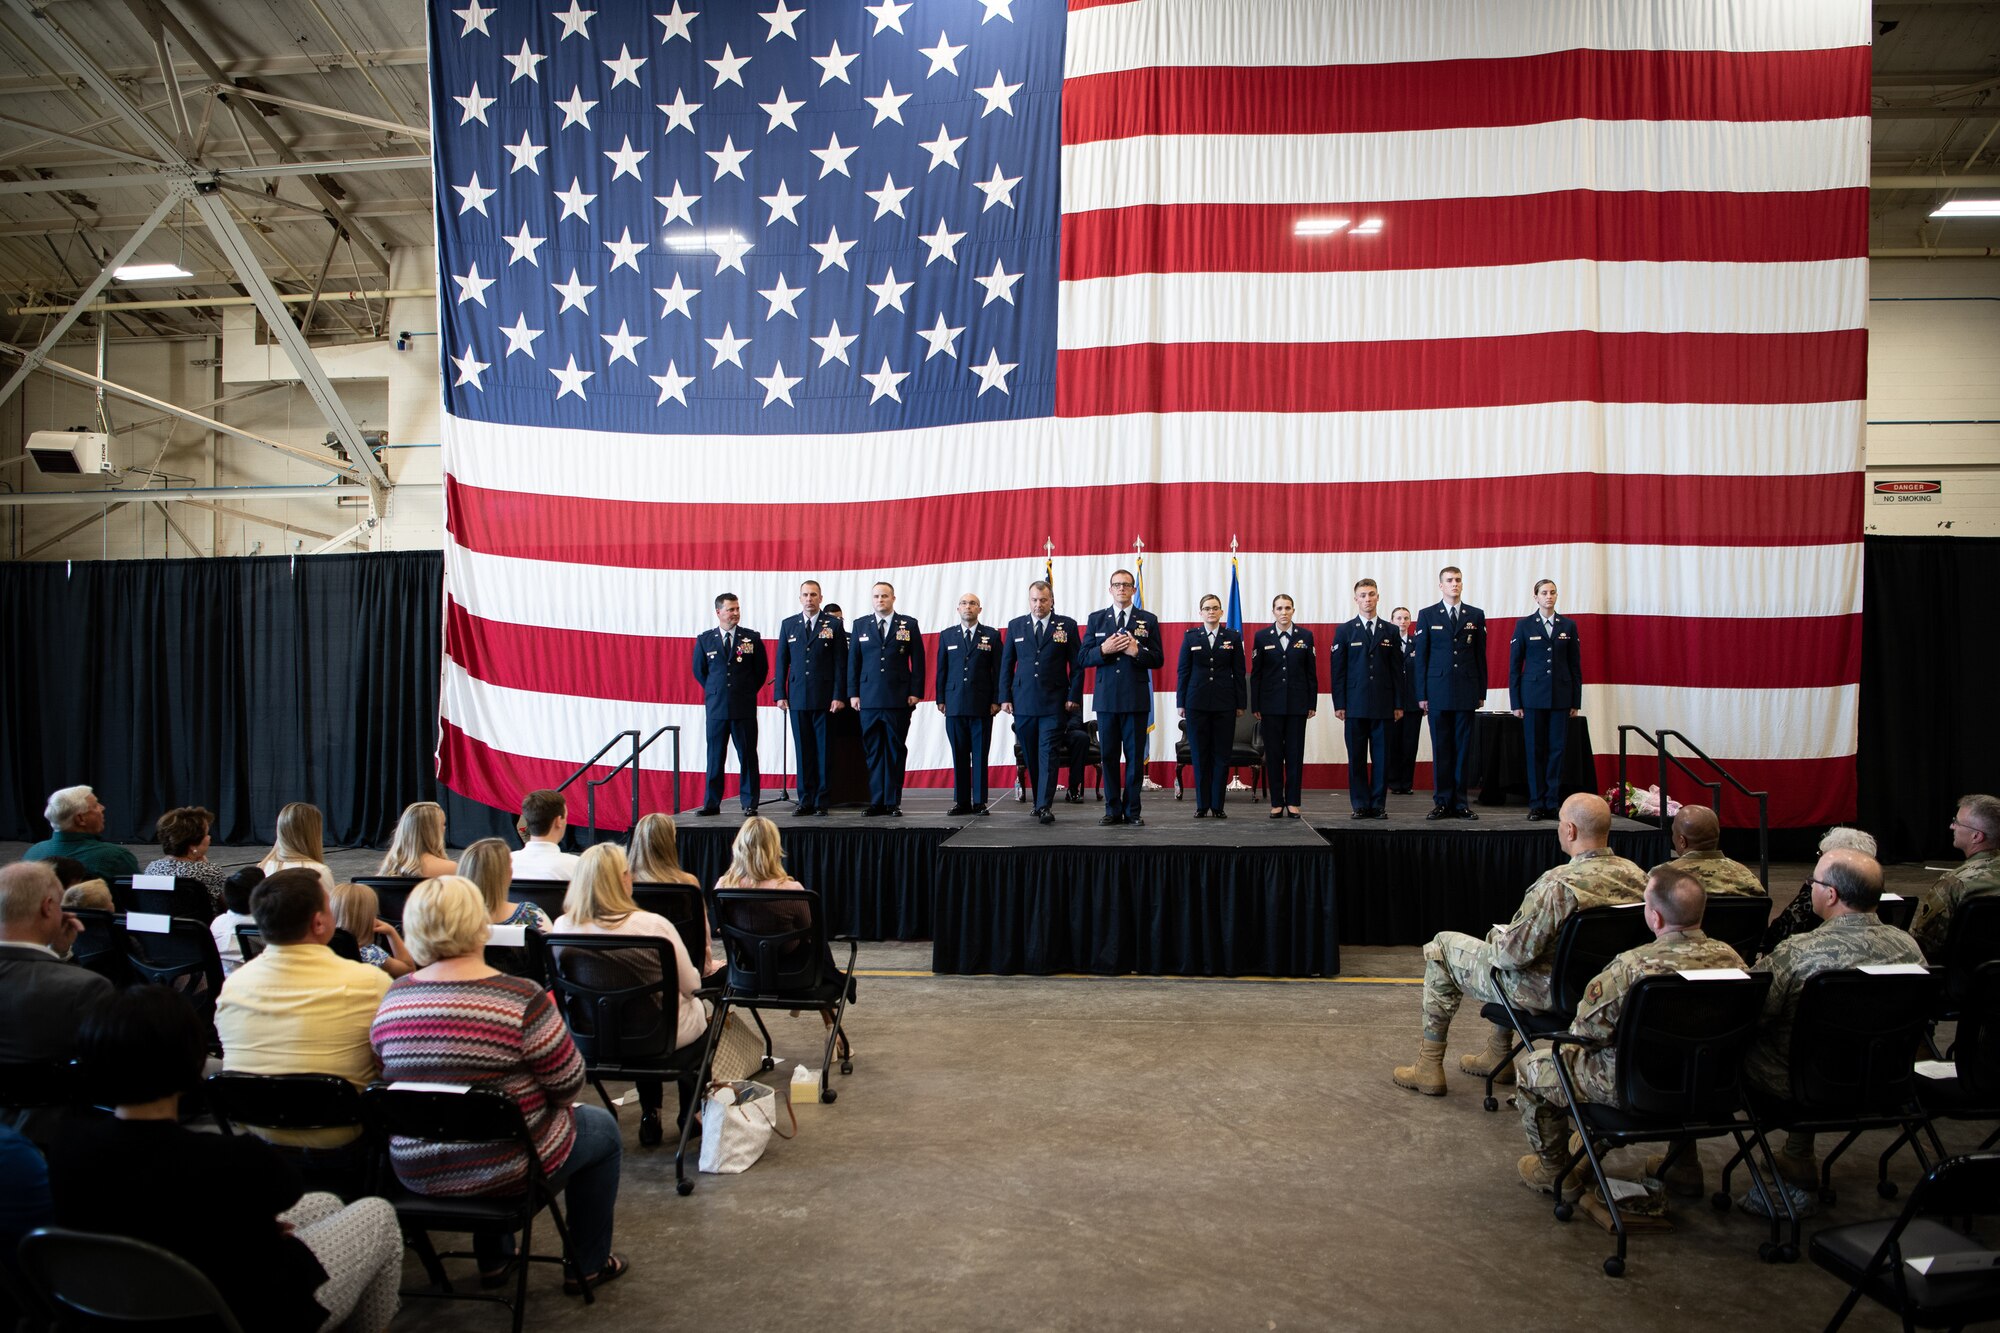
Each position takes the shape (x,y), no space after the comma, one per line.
(544,819)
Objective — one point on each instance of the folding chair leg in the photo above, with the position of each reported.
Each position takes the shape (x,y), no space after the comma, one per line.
(1614,1266)
(1771,1249)
(523,1261)
(1492,1103)
(569,1263)
(427,1255)
(605,1097)
(758,1017)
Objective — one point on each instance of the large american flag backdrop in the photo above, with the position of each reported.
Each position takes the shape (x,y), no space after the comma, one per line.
(737,292)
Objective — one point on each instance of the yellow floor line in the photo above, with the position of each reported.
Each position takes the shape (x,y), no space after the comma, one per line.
(1091,976)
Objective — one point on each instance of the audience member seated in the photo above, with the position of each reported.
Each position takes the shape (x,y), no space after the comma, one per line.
(489,864)
(1456,966)
(656,859)
(1674,900)
(298,845)
(229,1205)
(599,902)
(43,996)
(418,847)
(1798,916)
(1697,838)
(456,1020)
(378,941)
(92,895)
(757,861)
(544,820)
(1845,886)
(76,819)
(70,872)
(236,891)
(1975,832)
(184,837)
(297,1008)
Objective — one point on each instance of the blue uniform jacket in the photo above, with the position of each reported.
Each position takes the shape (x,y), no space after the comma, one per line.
(1369,678)
(1544,669)
(968,671)
(1409,650)
(812,671)
(1451,668)
(1124,683)
(1040,680)
(729,686)
(1211,680)
(1284,682)
(885,673)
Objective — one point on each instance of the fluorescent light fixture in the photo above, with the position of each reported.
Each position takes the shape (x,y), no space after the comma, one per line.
(688,242)
(1318,226)
(1370,227)
(1968,208)
(150,273)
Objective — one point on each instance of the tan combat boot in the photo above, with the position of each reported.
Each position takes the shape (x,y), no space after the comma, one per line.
(1494,1059)
(1686,1180)
(1427,1074)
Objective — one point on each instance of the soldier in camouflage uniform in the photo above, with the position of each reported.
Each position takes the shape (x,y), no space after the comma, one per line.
(1845,888)
(1697,837)
(1456,965)
(1674,904)
(1975,831)
(1798,916)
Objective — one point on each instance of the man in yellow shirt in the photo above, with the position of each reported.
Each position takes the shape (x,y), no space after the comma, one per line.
(297,1007)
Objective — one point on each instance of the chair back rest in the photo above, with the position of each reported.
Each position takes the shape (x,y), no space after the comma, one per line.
(1896,910)
(101,945)
(681,904)
(1681,1043)
(1967,1186)
(547,894)
(185,897)
(391,892)
(35,1083)
(284,1101)
(1974,938)
(119,1279)
(1855,1038)
(775,939)
(1976,1046)
(1249,734)
(1587,943)
(182,956)
(249,940)
(528,959)
(1738,920)
(619,995)
(458,1115)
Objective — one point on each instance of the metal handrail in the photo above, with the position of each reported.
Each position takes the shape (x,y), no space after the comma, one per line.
(1658,742)
(631,761)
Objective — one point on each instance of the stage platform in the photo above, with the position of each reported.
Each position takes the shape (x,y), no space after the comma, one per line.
(1245,896)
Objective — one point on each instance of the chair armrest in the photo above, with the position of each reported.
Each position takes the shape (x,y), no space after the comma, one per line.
(1573,1039)
(710,992)
(844,939)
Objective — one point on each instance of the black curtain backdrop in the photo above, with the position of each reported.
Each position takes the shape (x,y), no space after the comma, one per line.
(241,684)
(1930,658)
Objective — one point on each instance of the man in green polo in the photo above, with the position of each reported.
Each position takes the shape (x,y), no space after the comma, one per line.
(77,817)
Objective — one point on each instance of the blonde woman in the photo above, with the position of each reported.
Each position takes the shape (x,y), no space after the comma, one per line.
(656,859)
(354,910)
(298,844)
(489,863)
(757,861)
(599,902)
(418,847)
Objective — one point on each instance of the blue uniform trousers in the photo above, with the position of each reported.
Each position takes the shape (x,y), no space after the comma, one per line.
(1546,732)
(1211,734)
(1039,738)
(970,738)
(721,731)
(1368,761)
(1403,736)
(1284,756)
(885,739)
(809,735)
(1121,737)
(1451,755)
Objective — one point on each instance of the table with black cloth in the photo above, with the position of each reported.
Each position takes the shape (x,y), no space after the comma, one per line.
(1500,758)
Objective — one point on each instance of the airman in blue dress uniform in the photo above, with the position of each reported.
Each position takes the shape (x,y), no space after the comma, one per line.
(885,682)
(1041,687)
(1284,694)
(731,665)
(1123,643)
(1211,692)
(1451,686)
(1545,690)
(1371,691)
(968,681)
(811,682)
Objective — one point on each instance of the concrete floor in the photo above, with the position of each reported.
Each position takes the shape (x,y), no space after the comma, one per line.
(1056,1153)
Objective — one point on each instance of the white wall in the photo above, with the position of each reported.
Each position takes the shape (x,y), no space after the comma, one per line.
(1934,394)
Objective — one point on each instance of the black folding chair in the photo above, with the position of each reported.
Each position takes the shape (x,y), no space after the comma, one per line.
(547,894)
(52,1087)
(101,945)
(779,958)
(1851,1064)
(1246,750)
(182,958)
(1738,920)
(1585,945)
(1973,940)
(187,897)
(1972,1090)
(1896,910)
(474,1116)
(1680,1045)
(684,907)
(301,1102)
(391,892)
(529,959)
(249,941)
(625,1028)
(1876,1259)
(117,1280)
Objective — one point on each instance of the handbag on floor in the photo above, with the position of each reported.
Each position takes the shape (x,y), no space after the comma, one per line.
(739,1052)
(737,1121)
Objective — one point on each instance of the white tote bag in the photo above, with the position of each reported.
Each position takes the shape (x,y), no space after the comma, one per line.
(737,1121)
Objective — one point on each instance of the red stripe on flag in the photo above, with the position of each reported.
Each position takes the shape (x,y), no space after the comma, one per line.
(1700,653)
(1451,514)
(1428,374)
(1677,226)
(1452,94)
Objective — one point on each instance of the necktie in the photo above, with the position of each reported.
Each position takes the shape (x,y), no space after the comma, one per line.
(1453,613)
(1121,622)
(1371,629)
(1549,627)
(1211,640)
(810,622)
(1285,640)
(1038,633)
(729,642)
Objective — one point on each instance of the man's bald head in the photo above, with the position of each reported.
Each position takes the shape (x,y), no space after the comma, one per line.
(1696,829)
(30,900)
(1856,880)
(1591,818)
(1677,896)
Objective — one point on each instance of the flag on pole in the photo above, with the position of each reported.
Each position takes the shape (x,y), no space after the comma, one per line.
(1235,599)
(1139,600)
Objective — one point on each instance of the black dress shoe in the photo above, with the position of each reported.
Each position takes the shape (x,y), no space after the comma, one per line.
(1378,813)
(1134,821)
(1074,796)
(1535,815)
(1399,791)
(1439,812)
(650,1132)
(801,811)
(1112,819)
(1201,814)
(1045,816)
(1221,814)
(1291,814)
(1465,812)
(895,810)
(709,811)
(1362,814)
(982,809)
(1277,814)
(819,812)
(959,810)
(873,812)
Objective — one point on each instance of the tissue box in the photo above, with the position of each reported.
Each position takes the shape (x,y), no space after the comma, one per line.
(804,1089)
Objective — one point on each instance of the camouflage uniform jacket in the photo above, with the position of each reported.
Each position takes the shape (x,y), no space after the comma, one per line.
(1595,1068)
(1527,944)
(1857,939)
(1978,877)
(1719,874)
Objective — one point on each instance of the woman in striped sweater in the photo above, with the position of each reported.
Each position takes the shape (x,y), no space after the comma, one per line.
(456,1020)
